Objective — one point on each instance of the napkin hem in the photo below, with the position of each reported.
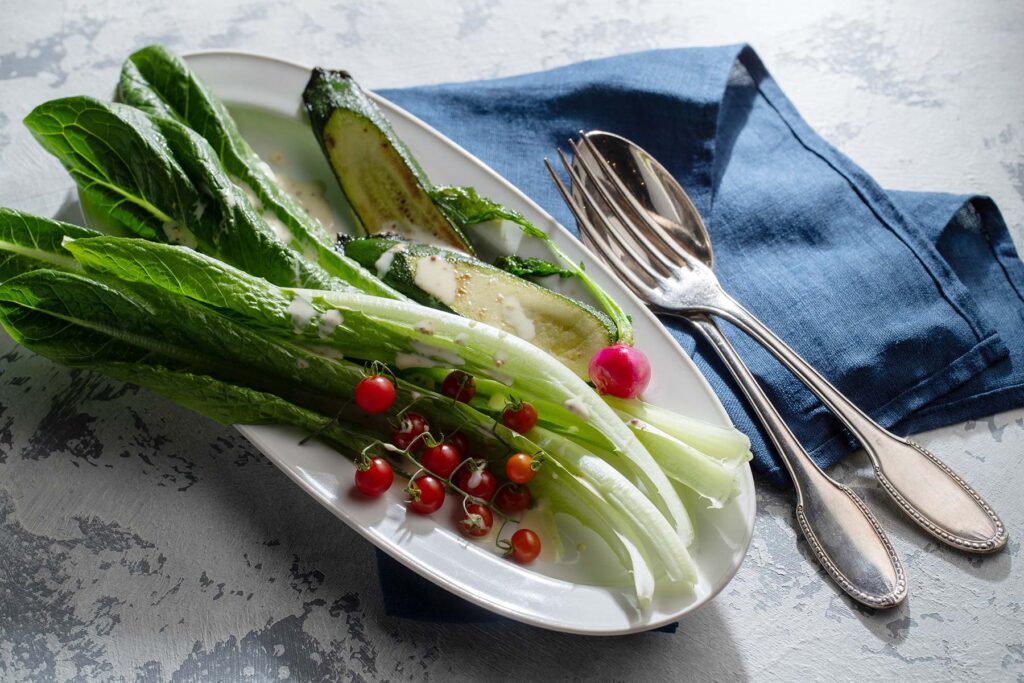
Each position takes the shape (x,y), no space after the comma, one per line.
(1000,241)
(968,365)
(996,399)
(975,360)
(971,407)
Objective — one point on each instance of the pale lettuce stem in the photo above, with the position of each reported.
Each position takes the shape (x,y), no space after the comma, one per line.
(722,443)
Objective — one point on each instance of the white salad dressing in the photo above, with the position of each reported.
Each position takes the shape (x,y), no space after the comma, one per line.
(254,201)
(311,196)
(383,263)
(324,350)
(404,361)
(449,357)
(329,321)
(515,317)
(425,327)
(507,236)
(279,228)
(265,167)
(178,234)
(436,276)
(410,231)
(302,313)
(462,339)
(577,407)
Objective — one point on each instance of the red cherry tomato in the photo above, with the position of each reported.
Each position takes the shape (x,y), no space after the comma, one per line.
(375,394)
(375,479)
(520,418)
(478,520)
(426,495)
(476,481)
(512,499)
(441,459)
(525,546)
(410,431)
(460,443)
(459,385)
(519,468)
(620,370)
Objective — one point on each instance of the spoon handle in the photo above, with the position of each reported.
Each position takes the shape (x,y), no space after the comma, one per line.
(841,532)
(924,487)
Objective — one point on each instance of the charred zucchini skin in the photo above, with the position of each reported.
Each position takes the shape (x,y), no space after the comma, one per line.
(572,330)
(334,100)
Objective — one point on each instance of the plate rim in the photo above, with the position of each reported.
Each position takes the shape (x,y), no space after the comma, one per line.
(251,432)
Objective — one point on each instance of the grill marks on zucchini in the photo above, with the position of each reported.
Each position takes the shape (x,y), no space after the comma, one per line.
(431,262)
(386,188)
(450,281)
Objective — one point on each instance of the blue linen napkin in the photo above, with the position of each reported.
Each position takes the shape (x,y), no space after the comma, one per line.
(910,303)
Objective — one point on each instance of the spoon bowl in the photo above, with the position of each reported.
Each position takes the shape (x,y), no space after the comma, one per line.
(665,252)
(657,191)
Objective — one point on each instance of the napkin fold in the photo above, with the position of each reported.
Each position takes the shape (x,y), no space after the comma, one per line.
(909,302)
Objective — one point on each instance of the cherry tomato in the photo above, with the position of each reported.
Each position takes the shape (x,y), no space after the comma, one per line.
(519,468)
(459,385)
(525,546)
(478,520)
(426,495)
(620,370)
(375,479)
(512,498)
(410,431)
(475,480)
(375,394)
(520,418)
(460,443)
(441,459)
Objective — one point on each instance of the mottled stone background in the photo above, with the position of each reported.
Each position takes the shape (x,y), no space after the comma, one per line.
(138,541)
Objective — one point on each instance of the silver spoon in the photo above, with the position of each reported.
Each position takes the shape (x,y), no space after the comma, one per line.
(842,534)
(934,496)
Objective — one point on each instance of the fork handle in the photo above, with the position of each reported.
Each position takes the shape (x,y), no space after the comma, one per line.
(924,487)
(842,534)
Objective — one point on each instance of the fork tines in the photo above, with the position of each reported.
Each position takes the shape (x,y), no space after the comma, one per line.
(610,220)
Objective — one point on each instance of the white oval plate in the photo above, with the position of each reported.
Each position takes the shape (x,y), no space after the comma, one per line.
(571,594)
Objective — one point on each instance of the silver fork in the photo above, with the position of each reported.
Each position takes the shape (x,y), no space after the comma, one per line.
(668,263)
(841,532)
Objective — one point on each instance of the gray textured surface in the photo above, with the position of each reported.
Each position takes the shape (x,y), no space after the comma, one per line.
(138,541)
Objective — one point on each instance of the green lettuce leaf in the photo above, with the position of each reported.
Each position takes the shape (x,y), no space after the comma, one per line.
(159,82)
(118,157)
(226,343)
(163,181)
(531,267)
(28,242)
